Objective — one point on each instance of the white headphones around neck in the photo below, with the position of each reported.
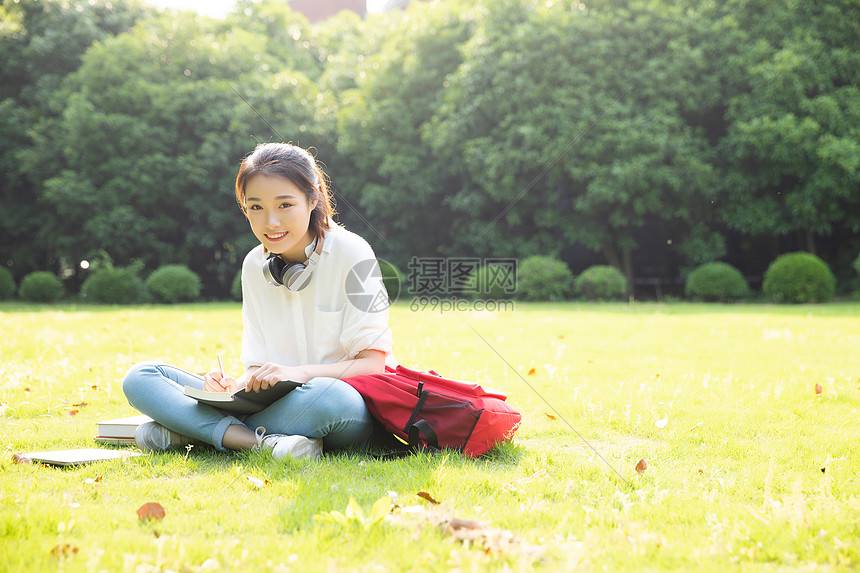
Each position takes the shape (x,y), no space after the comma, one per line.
(294,276)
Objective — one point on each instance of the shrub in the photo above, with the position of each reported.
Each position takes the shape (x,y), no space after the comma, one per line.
(799,278)
(236,288)
(173,283)
(41,286)
(716,282)
(490,282)
(392,278)
(601,282)
(856,264)
(112,285)
(7,284)
(544,278)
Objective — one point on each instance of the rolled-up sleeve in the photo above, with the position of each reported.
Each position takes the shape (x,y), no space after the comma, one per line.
(365,324)
(364,330)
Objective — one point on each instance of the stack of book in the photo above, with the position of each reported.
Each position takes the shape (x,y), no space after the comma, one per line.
(120,431)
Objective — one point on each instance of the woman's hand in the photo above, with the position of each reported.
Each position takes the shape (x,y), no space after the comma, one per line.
(214,381)
(270,374)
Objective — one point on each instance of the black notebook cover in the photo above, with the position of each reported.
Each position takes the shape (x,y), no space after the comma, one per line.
(241,402)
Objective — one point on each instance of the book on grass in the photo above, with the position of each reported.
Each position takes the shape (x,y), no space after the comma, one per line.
(121,428)
(114,441)
(241,402)
(77,457)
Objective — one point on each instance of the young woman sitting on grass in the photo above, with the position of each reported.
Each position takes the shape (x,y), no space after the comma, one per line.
(308,332)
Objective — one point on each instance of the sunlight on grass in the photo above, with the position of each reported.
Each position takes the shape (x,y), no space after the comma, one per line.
(746,466)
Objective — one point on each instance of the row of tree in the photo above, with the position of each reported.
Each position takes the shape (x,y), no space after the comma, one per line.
(652,135)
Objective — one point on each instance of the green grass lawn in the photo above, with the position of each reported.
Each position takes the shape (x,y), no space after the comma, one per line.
(747,468)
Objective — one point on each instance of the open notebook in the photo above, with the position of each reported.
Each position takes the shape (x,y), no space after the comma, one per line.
(241,402)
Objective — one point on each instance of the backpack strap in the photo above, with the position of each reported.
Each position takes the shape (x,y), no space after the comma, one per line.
(423,427)
(414,446)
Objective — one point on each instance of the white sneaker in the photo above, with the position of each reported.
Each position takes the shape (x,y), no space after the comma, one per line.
(283,446)
(153,437)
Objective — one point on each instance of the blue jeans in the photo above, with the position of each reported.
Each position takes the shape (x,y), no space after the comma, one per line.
(325,408)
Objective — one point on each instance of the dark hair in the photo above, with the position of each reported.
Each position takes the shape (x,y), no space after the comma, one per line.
(293,164)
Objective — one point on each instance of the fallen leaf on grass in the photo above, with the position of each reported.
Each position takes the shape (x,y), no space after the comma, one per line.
(459,523)
(80,405)
(550,416)
(256,482)
(532,372)
(427,496)
(473,534)
(150,511)
(818,389)
(489,540)
(64,550)
(641,466)
(93,480)
(21,459)
(73,412)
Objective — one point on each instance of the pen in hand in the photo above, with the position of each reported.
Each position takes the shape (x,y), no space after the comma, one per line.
(241,383)
(223,374)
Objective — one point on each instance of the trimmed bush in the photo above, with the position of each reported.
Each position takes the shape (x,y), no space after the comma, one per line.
(7,284)
(392,278)
(236,288)
(173,283)
(716,282)
(112,285)
(41,286)
(601,282)
(799,278)
(544,278)
(489,282)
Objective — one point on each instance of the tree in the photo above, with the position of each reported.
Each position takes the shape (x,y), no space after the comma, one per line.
(387,162)
(569,125)
(155,123)
(42,42)
(792,149)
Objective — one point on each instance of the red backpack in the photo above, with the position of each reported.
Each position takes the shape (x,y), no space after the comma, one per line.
(432,412)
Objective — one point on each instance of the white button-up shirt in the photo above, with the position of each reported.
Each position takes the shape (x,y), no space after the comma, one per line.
(328,321)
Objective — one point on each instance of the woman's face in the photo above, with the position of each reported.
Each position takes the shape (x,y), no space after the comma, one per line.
(279,214)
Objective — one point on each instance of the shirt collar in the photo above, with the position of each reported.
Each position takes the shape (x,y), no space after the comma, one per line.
(310,248)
